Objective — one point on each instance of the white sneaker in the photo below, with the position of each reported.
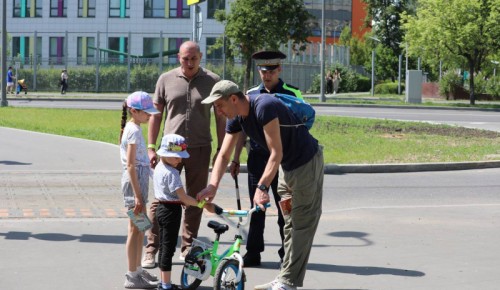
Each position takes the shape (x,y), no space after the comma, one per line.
(182,255)
(267,286)
(148,261)
(283,286)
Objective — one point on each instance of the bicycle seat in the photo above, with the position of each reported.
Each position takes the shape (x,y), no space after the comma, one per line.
(218,227)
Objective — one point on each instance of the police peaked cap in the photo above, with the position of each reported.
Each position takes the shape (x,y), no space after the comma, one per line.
(267,59)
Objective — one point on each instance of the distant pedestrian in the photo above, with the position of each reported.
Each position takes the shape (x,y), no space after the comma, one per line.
(336,81)
(10,81)
(329,83)
(64,81)
(135,182)
(21,86)
(170,194)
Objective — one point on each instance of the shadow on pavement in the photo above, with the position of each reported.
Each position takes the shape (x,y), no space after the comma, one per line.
(58,237)
(9,162)
(364,270)
(355,235)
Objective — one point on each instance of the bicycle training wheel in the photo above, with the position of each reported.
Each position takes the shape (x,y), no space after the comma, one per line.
(225,276)
(188,281)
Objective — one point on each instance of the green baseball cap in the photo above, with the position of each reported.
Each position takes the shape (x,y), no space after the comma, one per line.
(221,89)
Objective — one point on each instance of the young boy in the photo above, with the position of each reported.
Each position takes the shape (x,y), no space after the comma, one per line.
(171,196)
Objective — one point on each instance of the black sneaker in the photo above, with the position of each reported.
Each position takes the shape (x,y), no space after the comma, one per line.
(251,260)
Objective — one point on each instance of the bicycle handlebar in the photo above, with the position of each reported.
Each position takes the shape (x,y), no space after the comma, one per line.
(238,213)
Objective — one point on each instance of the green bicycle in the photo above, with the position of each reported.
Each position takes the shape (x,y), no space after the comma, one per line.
(203,261)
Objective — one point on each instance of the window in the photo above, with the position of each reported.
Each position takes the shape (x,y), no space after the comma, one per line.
(154,8)
(152,46)
(119,8)
(56,50)
(179,9)
(85,50)
(24,8)
(86,8)
(23,47)
(120,45)
(213,54)
(174,44)
(58,8)
(213,5)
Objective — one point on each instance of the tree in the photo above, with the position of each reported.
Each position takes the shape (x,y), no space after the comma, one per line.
(384,16)
(252,25)
(345,36)
(358,51)
(468,33)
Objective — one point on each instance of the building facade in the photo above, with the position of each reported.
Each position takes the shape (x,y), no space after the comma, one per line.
(52,32)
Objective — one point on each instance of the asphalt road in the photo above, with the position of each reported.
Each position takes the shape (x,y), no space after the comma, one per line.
(62,224)
(471,118)
(411,231)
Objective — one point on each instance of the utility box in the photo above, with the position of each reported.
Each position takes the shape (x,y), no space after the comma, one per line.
(414,86)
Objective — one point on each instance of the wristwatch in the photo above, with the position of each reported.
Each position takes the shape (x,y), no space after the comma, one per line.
(262,187)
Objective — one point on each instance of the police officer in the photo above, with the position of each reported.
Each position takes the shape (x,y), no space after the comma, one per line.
(269,66)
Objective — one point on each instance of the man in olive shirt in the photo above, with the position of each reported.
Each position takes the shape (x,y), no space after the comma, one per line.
(178,97)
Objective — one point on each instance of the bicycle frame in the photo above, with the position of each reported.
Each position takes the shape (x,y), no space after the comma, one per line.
(209,253)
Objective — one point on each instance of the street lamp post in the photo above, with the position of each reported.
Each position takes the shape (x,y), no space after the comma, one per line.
(373,66)
(373,72)
(4,102)
(495,62)
(400,60)
(322,54)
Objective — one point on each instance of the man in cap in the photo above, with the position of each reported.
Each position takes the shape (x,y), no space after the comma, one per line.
(269,66)
(269,123)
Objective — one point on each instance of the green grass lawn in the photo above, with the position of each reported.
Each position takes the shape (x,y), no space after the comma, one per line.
(345,140)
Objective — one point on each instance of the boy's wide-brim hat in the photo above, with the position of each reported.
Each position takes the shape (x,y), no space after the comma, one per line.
(221,89)
(268,59)
(141,101)
(173,145)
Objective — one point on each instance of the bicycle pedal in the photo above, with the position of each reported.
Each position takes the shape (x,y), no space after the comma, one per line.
(190,259)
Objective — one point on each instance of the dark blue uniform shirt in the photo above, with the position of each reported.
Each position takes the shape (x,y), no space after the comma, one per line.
(299,146)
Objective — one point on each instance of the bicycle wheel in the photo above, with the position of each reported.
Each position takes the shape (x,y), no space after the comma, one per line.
(225,276)
(187,281)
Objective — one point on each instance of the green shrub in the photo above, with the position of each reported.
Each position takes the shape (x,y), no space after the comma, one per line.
(388,88)
(485,85)
(82,79)
(449,84)
(493,87)
(350,81)
(234,73)
(364,83)
(143,78)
